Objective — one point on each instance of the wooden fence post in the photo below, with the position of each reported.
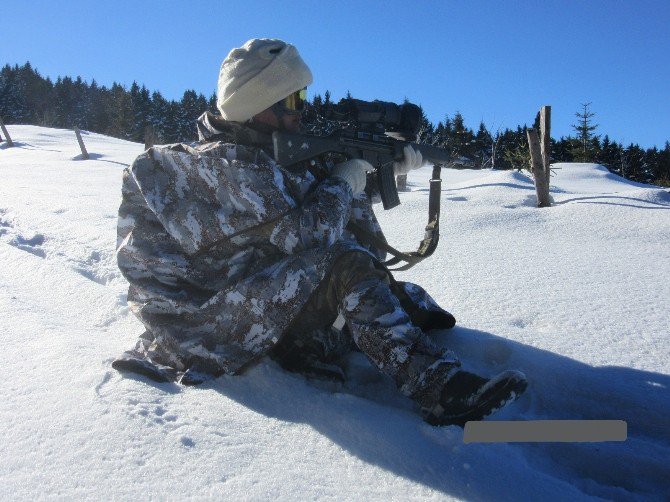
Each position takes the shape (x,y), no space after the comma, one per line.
(401,182)
(84,153)
(545,137)
(541,180)
(540,155)
(149,137)
(6,133)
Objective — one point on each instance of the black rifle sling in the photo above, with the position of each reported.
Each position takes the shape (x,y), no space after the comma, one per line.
(430,239)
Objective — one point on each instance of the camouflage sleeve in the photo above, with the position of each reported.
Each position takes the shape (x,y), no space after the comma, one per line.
(364,217)
(318,222)
(201,200)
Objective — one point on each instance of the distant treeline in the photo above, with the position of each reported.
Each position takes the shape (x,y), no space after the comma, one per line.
(28,98)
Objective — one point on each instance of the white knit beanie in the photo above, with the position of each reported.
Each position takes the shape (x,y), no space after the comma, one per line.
(257,75)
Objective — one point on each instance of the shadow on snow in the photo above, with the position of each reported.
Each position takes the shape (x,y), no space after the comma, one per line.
(590,200)
(397,440)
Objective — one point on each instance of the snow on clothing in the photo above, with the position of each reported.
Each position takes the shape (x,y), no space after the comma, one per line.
(222,248)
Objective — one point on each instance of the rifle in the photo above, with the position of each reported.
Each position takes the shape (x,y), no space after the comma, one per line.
(379,150)
(377,132)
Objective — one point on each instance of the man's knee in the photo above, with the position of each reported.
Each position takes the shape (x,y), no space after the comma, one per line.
(354,267)
(347,271)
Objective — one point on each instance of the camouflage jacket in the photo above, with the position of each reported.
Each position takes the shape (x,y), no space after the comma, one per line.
(222,246)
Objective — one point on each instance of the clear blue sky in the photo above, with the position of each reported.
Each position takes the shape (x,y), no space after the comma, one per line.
(496,61)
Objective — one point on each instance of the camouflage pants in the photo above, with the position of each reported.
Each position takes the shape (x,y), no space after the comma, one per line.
(370,301)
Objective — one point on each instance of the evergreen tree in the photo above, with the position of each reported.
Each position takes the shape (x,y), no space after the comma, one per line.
(63,102)
(158,117)
(595,148)
(141,105)
(461,139)
(584,129)
(211,105)
(517,153)
(662,173)
(171,129)
(650,165)
(513,149)
(448,136)
(496,150)
(37,91)
(562,150)
(327,103)
(44,110)
(191,106)
(636,163)
(13,103)
(609,154)
(440,135)
(483,145)
(316,106)
(120,110)
(623,167)
(99,107)
(426,130)
(81,104)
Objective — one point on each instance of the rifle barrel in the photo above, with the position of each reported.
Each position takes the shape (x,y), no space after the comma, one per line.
(437,155)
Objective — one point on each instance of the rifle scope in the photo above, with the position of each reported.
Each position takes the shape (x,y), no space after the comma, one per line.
(401,121)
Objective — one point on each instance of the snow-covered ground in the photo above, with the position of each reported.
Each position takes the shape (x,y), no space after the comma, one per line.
(575,295)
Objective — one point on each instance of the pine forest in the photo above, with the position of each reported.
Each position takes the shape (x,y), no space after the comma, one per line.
(28,98)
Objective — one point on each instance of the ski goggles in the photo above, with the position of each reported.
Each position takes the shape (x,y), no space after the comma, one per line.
(294,102)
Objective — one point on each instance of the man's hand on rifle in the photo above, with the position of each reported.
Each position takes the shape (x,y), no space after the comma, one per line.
(412,159)
(353,172)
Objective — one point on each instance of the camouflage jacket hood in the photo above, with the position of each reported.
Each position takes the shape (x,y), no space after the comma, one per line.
(213,128)
(222,246)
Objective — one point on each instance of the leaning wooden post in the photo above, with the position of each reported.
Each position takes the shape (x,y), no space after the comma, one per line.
(541,180)
(6,133)
(84,153)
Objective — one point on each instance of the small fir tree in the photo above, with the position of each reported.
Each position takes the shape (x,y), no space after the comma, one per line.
(584,129)
(483,146)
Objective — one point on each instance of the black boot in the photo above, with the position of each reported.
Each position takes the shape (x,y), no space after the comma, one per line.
(466,396)
(308,357)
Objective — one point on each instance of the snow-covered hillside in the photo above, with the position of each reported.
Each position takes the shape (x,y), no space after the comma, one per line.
(575,295)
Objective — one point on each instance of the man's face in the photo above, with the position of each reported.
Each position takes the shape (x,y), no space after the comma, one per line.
(289,122)
(284,115)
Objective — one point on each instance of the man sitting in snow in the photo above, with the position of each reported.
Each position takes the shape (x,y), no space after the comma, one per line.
(231,256)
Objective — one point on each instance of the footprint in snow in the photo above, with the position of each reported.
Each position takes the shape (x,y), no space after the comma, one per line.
(187,441)
(154,413)
(94,268)
(31,245)
(103,382)
(4,225)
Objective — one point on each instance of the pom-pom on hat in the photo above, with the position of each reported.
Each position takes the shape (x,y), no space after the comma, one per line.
(257,75)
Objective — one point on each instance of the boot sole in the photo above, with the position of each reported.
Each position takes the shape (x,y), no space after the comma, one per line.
(508,388)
